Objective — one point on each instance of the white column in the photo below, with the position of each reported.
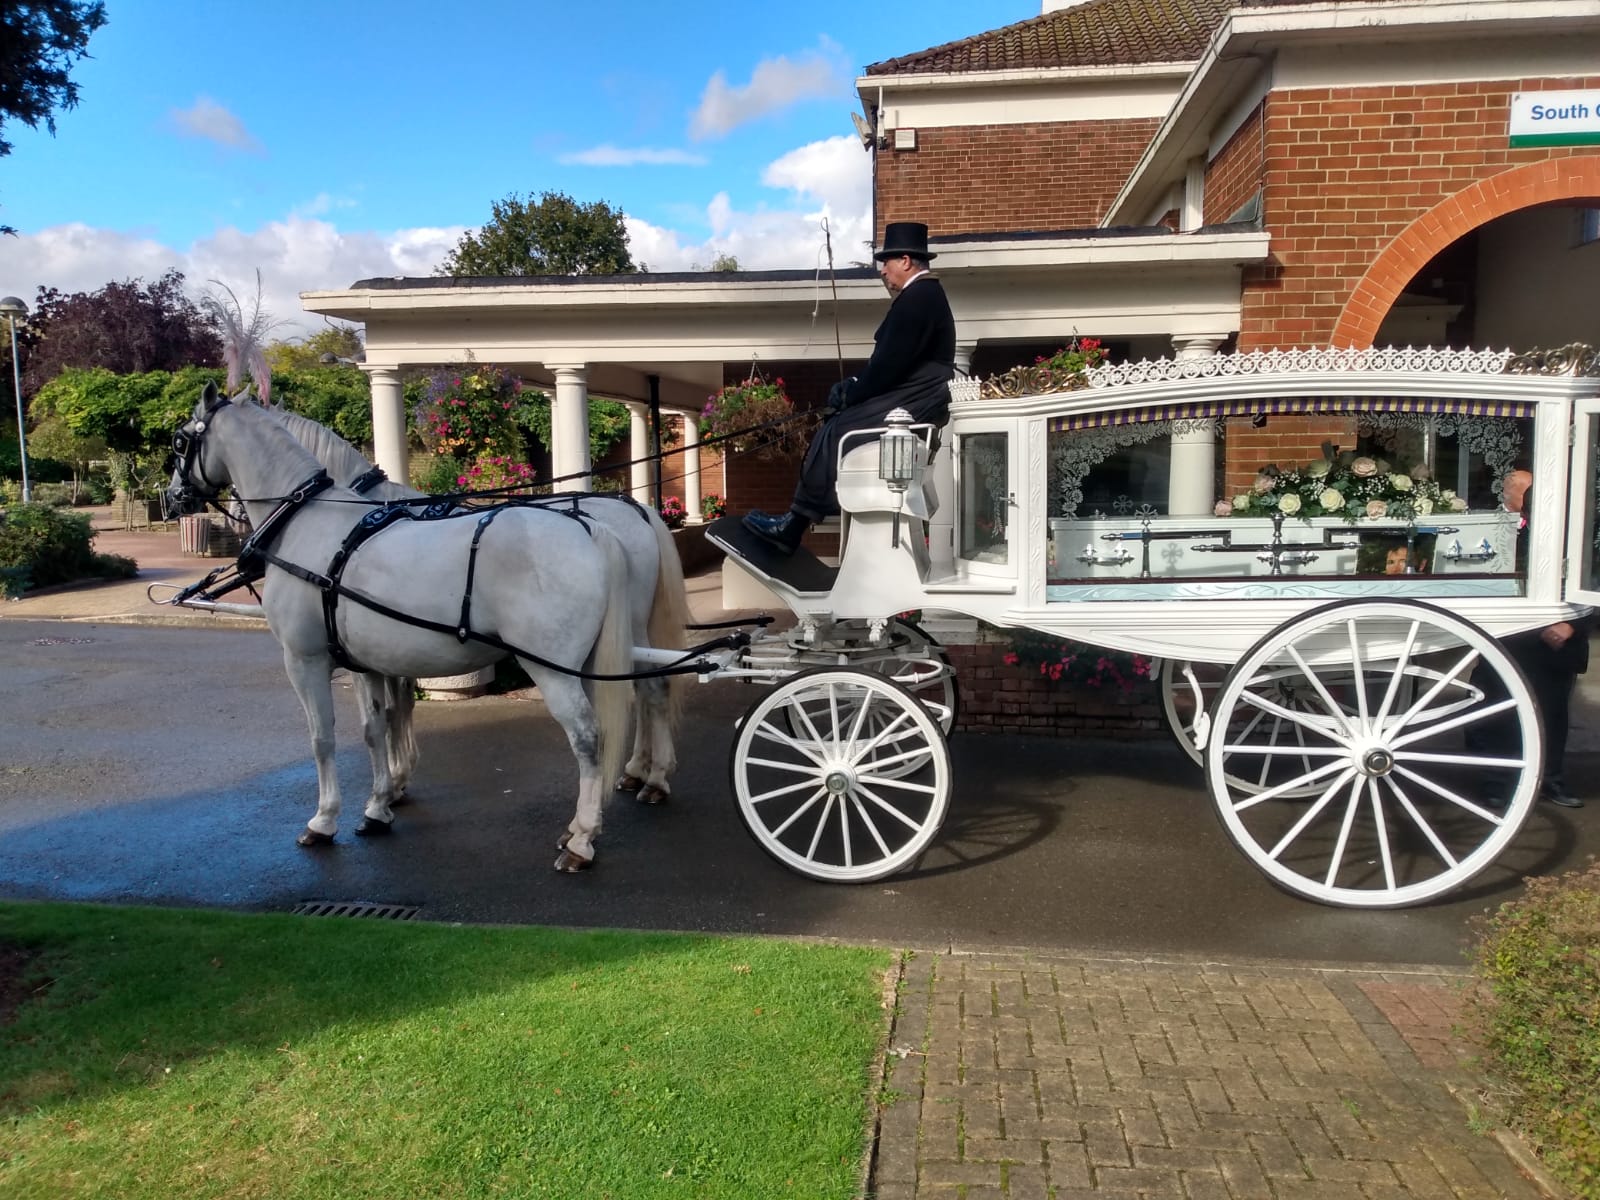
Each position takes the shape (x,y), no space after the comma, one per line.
(639,478)
(1191,478)
(569,427)
(1193,213)
(691,470)
(964,357)
(391,449)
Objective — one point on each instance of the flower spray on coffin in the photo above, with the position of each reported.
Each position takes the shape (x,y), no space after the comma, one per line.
(1348,486)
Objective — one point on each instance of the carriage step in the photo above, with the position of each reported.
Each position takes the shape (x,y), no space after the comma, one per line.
(356,908)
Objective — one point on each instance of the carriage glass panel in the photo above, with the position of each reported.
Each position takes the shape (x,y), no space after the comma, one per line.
(1583,527)
(1334,495)
(984,482)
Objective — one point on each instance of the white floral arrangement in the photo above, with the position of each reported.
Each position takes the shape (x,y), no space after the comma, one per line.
(1345,486)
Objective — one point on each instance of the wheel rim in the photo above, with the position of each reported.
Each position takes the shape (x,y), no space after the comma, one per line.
(1249,774)
(841,774)
(1401,801)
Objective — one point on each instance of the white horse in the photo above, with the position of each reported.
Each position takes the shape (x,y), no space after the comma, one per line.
(421,598)
(658,602)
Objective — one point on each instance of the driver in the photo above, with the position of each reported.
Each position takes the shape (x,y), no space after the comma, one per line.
(912,363)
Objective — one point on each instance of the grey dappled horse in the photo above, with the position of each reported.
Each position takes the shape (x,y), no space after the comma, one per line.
(542,583)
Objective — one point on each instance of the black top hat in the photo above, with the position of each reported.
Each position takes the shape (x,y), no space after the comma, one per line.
(904,237)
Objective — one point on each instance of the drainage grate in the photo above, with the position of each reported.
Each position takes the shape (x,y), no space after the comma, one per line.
(356,908)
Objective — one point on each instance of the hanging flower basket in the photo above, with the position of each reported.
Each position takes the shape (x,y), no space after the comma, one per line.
(761,408)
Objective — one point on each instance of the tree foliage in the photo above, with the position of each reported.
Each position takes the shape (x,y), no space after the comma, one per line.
(341,341)
(553,236)
(125,328)
(40,41)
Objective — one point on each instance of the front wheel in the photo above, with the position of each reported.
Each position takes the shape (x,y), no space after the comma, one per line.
(841,774)
(1415,753)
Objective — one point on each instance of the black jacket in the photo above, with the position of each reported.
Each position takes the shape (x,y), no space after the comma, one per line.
(919,329)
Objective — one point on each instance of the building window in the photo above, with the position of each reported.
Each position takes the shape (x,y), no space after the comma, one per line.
(1588,226)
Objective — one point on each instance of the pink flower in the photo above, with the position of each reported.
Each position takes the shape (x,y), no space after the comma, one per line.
(1009,658)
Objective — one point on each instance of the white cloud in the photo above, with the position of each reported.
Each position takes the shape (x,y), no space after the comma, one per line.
(775,84)
(608,155)
(294,255)
(829,179)
(213,123)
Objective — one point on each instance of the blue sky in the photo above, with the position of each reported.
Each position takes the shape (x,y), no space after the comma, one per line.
(325,142)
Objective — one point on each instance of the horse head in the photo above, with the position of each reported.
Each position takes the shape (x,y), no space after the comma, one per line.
(191,484)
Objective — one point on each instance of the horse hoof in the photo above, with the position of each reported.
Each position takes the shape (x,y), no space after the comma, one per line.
(654,795)
(569,863)
(561,842)
(372,827)
(629,783)
(312,838)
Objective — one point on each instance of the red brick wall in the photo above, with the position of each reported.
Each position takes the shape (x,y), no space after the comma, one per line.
(1003,178)
(1235,174)
(996,698)
(1282,441)
(1348,169)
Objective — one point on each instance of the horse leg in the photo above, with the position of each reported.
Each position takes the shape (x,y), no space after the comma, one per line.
(655,726)
(312,680)
(569,705)
(402,700)
(373,694)
(638,766)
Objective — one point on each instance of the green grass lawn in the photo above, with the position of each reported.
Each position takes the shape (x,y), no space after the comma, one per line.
(193,1054)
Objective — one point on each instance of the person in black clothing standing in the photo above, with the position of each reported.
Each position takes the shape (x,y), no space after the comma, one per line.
(1552,658)
(913,361)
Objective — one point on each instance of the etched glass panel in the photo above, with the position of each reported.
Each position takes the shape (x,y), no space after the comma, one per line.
(985,498)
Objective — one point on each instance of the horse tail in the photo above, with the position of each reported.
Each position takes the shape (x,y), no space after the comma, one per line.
(613,655)
(669,611)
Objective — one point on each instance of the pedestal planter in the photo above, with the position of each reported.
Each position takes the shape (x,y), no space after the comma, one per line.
(457,687)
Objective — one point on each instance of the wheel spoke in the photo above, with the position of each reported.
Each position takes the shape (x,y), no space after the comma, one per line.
(1466,718)
(1300,752)
(880,737)
(1335,709)
(1393,690)
(807,768)
(805,718)
(1337,860)
(796,814)
(1460,760)
(844,831)
(904,785)
(1328,729)
(1384,852)
(886,806)
(1427,830)
(877,764)
(1311,813)
(1272,793)
(1450,676)
(782,791)
(822,823)
(1445,793)
(861,811)
(1266,763)
(772,733)
(1360,677)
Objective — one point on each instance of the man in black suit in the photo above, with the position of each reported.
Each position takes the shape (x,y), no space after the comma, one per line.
(1552,658)
(913,361)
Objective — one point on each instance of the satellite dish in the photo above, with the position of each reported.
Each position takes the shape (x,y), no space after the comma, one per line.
(863,130)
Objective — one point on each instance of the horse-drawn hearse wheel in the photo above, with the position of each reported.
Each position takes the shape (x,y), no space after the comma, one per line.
(1248,772)
(841,774)
(908,655)
(1420,775)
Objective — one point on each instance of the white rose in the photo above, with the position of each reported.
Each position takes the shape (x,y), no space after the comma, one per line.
(1376,509)
(1289,503)
(1457,504)
(1447,495)
(1400,483)
(1424,506)
(1318,469)
(1421,471)
(1241,502)
(1364,468)
(1331,498)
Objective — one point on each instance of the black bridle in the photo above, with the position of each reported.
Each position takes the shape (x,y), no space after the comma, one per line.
(186,442)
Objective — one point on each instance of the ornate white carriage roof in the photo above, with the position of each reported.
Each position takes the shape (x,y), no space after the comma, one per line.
(1575,360)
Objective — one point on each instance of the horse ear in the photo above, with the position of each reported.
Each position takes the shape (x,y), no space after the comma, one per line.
(209,398)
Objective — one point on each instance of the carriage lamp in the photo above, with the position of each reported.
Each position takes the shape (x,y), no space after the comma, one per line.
(898,448)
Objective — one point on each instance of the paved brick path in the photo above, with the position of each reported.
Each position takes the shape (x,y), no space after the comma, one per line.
(1033,1076)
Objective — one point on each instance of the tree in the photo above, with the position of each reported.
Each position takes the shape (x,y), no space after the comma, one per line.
(128,328)
(724,262)
(555,236)
(341,341)
(39,42)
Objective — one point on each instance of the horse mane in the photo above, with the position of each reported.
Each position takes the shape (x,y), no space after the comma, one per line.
(343,461)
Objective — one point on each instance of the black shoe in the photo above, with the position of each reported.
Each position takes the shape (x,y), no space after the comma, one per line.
(1556,792)
(783,533)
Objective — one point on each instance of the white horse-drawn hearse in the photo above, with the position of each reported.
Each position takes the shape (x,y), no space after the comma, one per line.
(1327,628)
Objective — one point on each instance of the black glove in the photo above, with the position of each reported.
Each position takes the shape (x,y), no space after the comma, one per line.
(836,395)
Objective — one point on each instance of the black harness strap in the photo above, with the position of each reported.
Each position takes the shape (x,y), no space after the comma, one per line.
(255,545)
(367,480)
(464,626)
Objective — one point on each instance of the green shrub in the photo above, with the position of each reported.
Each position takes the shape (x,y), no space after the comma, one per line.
(51,543)
(1536,1014)
(114,566)
(439,477)
(13,582)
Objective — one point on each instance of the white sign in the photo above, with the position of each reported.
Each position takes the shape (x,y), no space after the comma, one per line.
(1555,118)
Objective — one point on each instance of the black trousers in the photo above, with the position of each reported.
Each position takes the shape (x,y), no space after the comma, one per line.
(1552,674)
(926,396)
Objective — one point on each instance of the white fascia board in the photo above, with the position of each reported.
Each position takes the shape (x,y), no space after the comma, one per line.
(1246,39)
(868,87)
(357,304)
(1191,248)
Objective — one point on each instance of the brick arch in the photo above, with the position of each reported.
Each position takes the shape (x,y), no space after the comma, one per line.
(1549,181)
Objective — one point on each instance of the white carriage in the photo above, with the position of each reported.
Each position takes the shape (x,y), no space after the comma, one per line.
(1343,716)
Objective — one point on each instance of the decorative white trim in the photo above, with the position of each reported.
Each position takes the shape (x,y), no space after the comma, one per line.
(1425,360)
